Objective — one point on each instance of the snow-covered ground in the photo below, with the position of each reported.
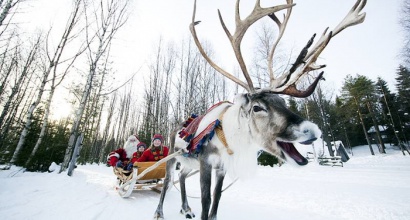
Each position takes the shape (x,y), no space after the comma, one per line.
(367,187)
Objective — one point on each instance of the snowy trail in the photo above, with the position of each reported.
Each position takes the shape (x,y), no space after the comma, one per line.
(367,187)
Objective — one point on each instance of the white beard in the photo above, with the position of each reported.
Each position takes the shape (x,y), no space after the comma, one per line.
(131,150)
(130,147)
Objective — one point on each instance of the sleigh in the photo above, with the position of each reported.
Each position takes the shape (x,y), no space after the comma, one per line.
(144,176)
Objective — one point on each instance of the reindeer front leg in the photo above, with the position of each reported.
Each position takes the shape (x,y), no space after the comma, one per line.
(205,179)
(168,179)
(220,176)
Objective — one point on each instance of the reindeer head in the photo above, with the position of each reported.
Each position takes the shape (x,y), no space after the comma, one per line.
(269,118)
(273,127)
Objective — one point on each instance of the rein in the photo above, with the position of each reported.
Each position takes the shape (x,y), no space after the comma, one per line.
(163,160)
(198,197)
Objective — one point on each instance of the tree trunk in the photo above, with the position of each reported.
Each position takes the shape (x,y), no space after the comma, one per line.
(376,127)
(53,63)
(112,18)
(43,127)
(364,127)
(76,153)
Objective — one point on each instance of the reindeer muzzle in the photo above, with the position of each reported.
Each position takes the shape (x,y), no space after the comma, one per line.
(308,141)
(292,152)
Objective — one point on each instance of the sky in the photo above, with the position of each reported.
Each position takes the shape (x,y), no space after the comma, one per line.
(366,188)
(371,48)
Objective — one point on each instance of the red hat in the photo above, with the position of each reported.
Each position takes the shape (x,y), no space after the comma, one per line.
(133,138)
(141,144)
(157,136)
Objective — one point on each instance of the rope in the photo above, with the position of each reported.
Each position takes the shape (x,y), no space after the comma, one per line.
(198,197)
(163,160)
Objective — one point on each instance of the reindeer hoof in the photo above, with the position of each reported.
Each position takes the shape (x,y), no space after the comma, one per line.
(188,214)
(158,216)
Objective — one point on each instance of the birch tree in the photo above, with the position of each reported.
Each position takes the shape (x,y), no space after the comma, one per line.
(108,17)
(405,24)
(156,96)
(53,61)
(108,123)
(23,72)
(6,13)
(8,61)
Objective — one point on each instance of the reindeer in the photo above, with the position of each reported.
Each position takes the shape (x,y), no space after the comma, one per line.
(258,119)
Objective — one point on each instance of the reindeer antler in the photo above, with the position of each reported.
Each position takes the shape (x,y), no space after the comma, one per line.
(285,84)
(306,61)
(236,39)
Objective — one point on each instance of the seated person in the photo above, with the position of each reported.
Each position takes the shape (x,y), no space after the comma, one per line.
(156,150)
(121,157)
(141,148)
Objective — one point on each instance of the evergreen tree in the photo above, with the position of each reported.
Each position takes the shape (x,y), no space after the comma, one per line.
(347,124)
(293,105)
(266,159)
(403,85)
(403,100)
(359,91)
(387,104)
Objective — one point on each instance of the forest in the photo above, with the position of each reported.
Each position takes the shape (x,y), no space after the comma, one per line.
(180,82)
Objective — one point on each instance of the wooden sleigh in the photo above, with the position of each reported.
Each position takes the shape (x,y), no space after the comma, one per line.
(144,176)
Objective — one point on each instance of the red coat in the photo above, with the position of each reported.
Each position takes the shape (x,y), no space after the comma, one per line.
(153,155)
(136,156)
(117,155)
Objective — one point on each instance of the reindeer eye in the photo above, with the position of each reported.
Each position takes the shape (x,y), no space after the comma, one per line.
(257,108)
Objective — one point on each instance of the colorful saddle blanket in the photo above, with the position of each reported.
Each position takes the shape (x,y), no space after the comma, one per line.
(191,127)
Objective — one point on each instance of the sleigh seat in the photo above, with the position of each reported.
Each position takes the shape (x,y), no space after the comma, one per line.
(128,181)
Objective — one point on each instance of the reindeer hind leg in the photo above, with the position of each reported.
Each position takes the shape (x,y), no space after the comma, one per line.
(185,209)
(205,179)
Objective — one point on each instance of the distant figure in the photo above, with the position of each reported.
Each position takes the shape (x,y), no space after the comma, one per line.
(122,156)
(141,148)
(156,150)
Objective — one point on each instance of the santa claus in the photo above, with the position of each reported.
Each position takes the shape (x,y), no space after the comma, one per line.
(122,156)
(131,145)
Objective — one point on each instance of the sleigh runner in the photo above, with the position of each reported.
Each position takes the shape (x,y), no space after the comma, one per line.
(144,176)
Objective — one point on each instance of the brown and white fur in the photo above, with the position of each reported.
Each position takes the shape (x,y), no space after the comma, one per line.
(254,122)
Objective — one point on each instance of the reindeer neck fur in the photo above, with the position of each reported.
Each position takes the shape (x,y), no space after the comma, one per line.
(243,161)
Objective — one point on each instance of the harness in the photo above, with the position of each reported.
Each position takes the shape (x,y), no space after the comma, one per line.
(190,129)
(220,133)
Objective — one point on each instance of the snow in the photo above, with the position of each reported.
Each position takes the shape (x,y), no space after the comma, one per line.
(373,129)
(367,187)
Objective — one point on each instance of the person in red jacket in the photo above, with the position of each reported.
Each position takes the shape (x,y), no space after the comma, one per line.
(122,156)
(141,148)
(156,150)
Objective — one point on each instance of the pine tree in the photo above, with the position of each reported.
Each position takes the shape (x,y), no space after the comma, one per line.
(387,103)
(360,92)
(403,85)
(403,100)
(293,105)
